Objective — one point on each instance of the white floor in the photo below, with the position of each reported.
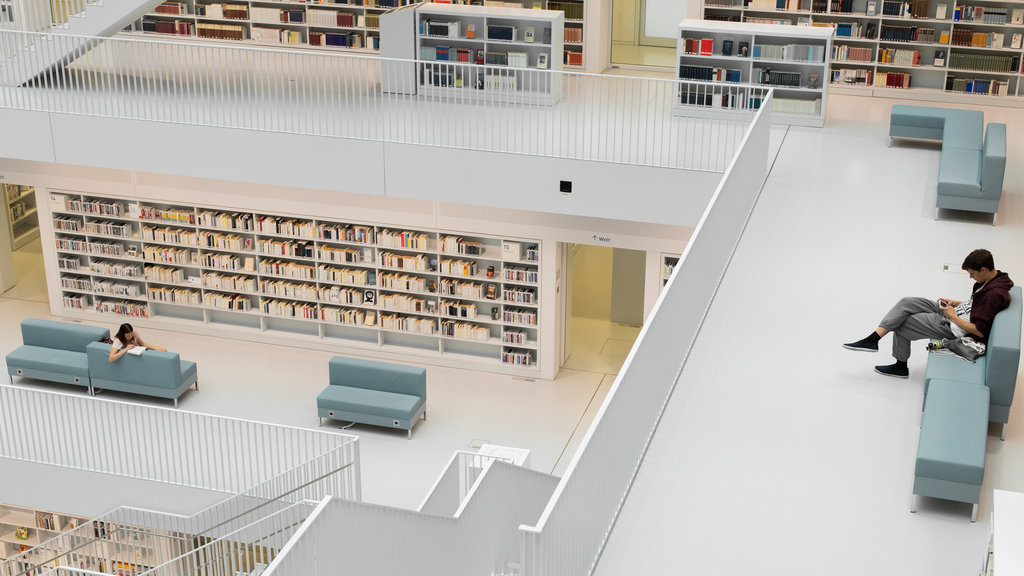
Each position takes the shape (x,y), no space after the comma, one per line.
(280,383)
(782,453)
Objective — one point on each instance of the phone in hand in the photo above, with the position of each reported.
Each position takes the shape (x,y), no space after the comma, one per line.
(942,304)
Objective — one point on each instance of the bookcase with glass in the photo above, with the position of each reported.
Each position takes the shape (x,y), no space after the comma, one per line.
(22,215)
(473,297)
(489,53)
(727,66)
(346,25)
(934,46)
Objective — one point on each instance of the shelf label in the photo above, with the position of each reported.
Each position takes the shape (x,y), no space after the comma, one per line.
(602,239)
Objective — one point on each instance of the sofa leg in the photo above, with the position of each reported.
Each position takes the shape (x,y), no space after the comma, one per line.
(1002,433)
(409,434)
(936,216)
(993,219)
(175,402)
(321,422)
(974,513)
(197,385)
(913,503)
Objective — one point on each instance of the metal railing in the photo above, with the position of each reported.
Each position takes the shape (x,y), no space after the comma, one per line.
(153,443)
(548,113)
(571,534)
(459,476)
(136,441)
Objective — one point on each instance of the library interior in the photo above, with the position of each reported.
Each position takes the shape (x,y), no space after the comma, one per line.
(506,287)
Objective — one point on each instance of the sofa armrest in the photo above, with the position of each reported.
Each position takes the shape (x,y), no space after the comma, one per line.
(994,161)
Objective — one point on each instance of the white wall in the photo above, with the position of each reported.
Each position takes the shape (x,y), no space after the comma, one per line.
(550,229)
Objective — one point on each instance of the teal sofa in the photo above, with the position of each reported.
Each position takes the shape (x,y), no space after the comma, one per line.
(973,160)
(374,392)
(154,373)
(54,352)
(960,399)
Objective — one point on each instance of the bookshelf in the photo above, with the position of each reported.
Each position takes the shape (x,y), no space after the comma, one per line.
(725,59)
(22,528)
(21,213)
(668,266)
(487,54)
(962,50)
(332,25)
(471,298)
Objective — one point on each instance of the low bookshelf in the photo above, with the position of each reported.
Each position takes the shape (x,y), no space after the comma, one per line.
(950,50)
(726,66)
(370,286)
(480,54)
(21,213)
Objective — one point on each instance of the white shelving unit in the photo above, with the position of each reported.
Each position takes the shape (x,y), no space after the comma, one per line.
(21,213)
(22,528)
(474,298)
(483,54)
(335,25)
(948,49)
(668,265)
(723,60)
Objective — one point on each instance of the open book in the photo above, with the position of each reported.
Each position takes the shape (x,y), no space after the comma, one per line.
(137,351)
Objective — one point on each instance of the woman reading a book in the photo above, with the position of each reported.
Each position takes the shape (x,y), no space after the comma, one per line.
(128,339)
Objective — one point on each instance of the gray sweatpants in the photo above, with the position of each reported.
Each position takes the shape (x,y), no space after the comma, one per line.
(913,319)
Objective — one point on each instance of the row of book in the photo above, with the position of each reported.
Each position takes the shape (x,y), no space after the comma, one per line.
(288,269)
(984,63)
(388,238)
(519,316)
(123,308)
(519,295)
(338,295)
(106,248)
(165,274)
(777,4)
(915,9)
(346,233)
(172,215)
(465,331)
(288,289)
(514,337)
(336,18)
(407,303)
(699,46)
(892,80)
(790,52)
(292,248)
(226,11)
(459,245)
(572,10)
(520,274)
(907,34)
(170,235)
(169,255)
(220,31)
(797,106)
(987,14)
(290,309)
(457,267)
(94,207)
(350,40)
(276,36)
(709,73)
(74,283)
(844,53)
(852,76)
(227,221)
(182,296)
(571,58)
(899,57)
(235,302)
(837,7)
(116,288)
(67,263)
(229,282)
(573,35)
(116,269)
(407,282)
(977,85)
(67,224)
(412,324)
(72,244)
(277,15)
(517,357)
(351,276)
(75,302)
(172,7)
(222,241)
(417,262)
(769,77)
(121,229)
(343,254)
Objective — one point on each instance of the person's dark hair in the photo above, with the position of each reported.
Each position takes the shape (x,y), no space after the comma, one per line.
(124,329)
(979,259)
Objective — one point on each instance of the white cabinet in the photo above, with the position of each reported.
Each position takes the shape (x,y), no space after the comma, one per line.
(727,67)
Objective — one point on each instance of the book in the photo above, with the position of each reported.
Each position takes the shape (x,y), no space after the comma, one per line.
(872,8)
(542,61)
(137,351)
(528,36)
(727,48)
(1017,16)
(471,31)
(744,49)
(1015,42)
(940,12)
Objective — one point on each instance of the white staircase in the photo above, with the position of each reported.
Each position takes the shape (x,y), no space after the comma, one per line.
(45,33)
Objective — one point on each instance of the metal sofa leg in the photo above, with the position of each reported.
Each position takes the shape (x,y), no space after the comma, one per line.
(993,219)
(974,513)
(175,402)
(321,422)
(197,385)
(913,503)
(409,435)
(11,376)
(1002,433)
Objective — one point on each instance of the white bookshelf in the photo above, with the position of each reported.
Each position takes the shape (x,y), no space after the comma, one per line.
(668,266)
(488,54)
(474,298)
(926,49)
(722,61)
(22,528)
(331,25)
(22,214)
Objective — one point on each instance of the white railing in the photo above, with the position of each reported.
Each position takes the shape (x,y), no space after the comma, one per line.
(568,539)
(480,539)
(594,117)
(154,443)
(459,476)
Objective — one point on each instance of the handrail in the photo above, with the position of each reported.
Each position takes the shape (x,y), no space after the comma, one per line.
(551,113)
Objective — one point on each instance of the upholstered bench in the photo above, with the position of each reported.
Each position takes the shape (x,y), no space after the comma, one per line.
(54,351)
(373,392)
(973,160)
(997,369)
(154,373)
(951,450)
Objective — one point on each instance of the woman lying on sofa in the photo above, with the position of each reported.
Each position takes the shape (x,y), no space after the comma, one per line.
(126,339)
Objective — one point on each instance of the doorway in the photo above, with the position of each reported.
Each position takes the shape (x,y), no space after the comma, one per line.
(604,305)
(22,275)
(644,31)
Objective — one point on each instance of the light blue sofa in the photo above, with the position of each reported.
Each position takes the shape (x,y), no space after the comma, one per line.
(960,399)
(154,373)
(973,160)
(54,351)
(373,392)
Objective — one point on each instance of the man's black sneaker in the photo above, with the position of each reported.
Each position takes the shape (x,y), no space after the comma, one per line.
(893,370)
(862,346)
